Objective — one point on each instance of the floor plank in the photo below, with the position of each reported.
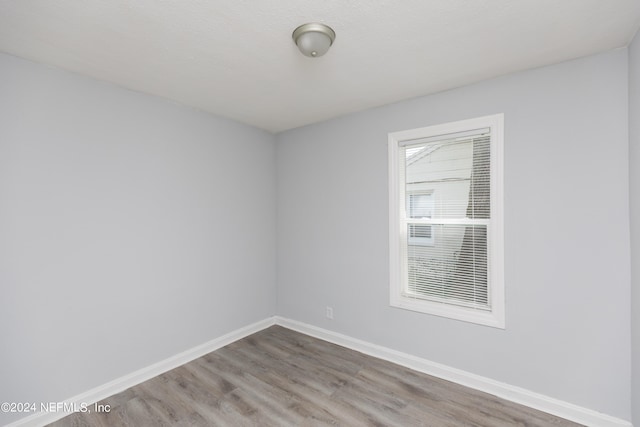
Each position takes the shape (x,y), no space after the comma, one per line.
(278,377)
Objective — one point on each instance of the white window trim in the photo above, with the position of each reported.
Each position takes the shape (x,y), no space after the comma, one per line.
(496,316)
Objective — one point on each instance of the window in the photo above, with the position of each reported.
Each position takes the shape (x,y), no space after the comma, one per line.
(420,206)
(446,231)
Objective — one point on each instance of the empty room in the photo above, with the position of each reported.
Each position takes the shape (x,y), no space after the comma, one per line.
(307,213)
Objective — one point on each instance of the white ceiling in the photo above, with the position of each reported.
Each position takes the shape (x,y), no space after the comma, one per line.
(235,58)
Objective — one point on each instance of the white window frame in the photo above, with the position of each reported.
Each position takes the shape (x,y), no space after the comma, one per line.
(495,317)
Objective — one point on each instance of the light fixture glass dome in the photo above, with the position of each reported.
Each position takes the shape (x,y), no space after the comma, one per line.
(313,39)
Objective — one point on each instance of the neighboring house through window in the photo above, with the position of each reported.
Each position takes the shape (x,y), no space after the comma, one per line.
(446,228)
(420,206)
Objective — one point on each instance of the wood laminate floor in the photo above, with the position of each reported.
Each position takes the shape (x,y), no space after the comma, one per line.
(278,377)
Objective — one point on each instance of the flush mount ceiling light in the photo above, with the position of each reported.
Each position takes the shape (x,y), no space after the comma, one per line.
(313,39)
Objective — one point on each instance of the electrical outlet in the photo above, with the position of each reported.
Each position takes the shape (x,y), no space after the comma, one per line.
(329,312)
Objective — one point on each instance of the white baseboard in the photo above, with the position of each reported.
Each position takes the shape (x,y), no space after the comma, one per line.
(519,395)
(120,384)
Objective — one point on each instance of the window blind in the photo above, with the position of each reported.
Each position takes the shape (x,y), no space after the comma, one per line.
(455,171)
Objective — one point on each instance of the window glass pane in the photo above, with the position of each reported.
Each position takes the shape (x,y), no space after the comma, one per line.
(457,170)
(453,269)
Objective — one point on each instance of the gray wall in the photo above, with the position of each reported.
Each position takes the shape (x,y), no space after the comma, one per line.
(634,193)
(567,234)
(126,227)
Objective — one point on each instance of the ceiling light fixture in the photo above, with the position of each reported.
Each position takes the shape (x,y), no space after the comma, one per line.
(313,39)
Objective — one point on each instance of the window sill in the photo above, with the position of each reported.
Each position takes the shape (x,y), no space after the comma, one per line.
(485,318)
